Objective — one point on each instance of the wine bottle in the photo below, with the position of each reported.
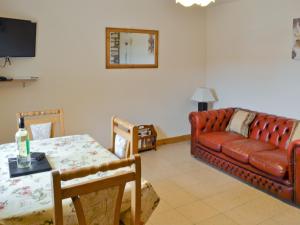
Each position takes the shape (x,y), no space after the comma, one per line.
(23,146)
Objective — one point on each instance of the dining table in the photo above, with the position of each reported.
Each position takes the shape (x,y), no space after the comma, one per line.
(27,200)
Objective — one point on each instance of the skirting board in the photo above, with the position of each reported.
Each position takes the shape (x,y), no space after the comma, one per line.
(173,140)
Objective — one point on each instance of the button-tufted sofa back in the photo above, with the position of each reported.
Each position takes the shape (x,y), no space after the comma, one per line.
(272,129)
(214,120)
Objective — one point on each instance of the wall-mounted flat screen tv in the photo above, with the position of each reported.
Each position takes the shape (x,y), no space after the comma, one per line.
(17,38)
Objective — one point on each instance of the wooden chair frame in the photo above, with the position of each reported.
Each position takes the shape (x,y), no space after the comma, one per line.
(54,116)
(127,131)
(74,191)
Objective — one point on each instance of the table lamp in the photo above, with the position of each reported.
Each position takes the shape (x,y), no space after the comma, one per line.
(203,96)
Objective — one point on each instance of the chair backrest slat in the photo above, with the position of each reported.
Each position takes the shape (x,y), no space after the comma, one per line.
(82,172)
(79,210)
(92,186)
(127,131)
(113,185)
(54,116)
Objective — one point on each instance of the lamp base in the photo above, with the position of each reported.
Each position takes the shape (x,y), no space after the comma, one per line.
(202,106)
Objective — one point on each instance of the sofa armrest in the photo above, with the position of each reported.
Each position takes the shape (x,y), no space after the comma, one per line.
(208,121)
(294,168)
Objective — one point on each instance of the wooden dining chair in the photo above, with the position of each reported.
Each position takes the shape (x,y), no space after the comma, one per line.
(54,116)
(124,138)
(99,201)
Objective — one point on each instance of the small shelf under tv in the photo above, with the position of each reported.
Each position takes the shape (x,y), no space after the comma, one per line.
(22,79)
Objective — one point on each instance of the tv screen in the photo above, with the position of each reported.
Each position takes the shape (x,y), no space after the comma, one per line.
(17,38)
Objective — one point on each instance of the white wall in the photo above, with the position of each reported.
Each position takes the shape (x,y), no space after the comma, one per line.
(71,65)
(248,55)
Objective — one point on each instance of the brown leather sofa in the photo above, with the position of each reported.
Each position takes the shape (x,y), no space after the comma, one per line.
(266,159)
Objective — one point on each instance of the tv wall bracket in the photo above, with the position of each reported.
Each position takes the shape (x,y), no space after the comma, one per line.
(7,61)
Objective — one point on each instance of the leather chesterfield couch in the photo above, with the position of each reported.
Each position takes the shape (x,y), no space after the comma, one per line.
(265,159)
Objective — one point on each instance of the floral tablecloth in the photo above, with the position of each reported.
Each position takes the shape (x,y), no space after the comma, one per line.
(27,200)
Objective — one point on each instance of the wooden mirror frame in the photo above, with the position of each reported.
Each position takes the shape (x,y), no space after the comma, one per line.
(126,66)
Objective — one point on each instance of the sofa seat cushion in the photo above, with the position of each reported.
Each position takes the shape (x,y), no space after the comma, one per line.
(215,140)
(241,149)
(273,162)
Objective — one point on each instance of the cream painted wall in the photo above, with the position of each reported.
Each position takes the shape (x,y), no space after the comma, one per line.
(248,55)
(71,65)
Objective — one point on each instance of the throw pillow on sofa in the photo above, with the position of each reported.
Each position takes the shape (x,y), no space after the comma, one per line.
(296,132)
(240,122)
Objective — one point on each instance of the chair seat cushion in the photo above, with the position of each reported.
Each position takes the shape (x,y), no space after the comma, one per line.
(273,162)
(120,146)
(215,140)
(41,131)
(241,149)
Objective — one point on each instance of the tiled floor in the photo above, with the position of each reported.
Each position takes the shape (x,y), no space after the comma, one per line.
(193,193)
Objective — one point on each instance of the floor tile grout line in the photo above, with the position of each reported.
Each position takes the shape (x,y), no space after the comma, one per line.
(219,213)
(264,221)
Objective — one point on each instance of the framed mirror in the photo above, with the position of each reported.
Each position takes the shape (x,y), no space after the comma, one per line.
(131,48)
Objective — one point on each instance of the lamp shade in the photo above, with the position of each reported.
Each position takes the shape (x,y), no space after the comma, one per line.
(203,95)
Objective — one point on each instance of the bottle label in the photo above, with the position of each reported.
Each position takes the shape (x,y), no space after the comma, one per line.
(27,146)
(23,146)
